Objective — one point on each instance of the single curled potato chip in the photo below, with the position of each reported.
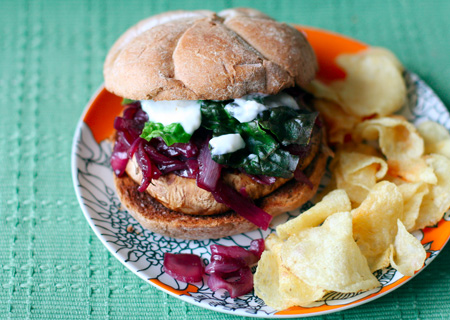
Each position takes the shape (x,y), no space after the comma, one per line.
(407,254)
(266,281)
(328,257)
(412,193)
(373,84)
(398,139)
(357,173)
(436,137)
(335,201)
(375,223)
(276,285)
(436,202)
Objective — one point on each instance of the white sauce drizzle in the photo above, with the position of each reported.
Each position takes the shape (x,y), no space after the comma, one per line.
(227,143)
(185,112)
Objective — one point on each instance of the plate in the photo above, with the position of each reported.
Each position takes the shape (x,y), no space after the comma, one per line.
(142,251)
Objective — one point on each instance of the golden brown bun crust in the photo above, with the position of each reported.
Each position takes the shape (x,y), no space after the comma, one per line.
(192,55)
(155,217)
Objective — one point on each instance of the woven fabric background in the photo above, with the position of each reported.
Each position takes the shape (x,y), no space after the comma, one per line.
(52,266)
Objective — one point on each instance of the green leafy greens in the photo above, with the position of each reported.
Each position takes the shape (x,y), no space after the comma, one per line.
(264,136)
(171,133)
(126,101)
(288,125)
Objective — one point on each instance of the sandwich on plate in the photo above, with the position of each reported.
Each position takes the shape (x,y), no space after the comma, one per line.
(216,136)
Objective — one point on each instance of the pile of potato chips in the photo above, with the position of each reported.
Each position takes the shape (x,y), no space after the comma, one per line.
(389,179)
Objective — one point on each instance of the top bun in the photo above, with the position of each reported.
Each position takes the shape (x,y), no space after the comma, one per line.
(193,55)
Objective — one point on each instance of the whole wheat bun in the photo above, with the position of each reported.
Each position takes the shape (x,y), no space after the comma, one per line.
(155,217)
(192,55)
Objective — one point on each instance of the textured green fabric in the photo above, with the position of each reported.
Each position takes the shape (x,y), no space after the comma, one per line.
(52,266)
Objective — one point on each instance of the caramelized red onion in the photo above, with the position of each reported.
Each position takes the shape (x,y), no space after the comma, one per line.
(208,178)
(132,149)
(229,259)
(184,267)
(257,247)
(209,170)
(119,157)
(184,159)
(229,268)
(242,205)
(237,283)
(187,150)
(149,171)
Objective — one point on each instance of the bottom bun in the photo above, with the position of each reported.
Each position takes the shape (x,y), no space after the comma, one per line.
(155,217)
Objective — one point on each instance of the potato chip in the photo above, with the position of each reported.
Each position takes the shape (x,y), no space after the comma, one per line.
(408,254)
(328,257)
(412,193)
(375,223)
(362,148)
(266,281)
(412,170)
(357,173)
(273,242)
(436,202)
(373,84)
(401,144)
(436,137)
(353,162)
(397,138)
(276,285)
(335,201)
(339,124)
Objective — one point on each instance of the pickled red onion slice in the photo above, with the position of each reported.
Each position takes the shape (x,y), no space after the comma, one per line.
(184,267)
(209,170)
(257,247)
(241,205)
(238,287)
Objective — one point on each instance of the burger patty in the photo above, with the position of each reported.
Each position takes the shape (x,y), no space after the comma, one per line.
(154,216)
(183,195)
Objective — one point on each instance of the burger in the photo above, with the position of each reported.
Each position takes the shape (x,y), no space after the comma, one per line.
(217,135)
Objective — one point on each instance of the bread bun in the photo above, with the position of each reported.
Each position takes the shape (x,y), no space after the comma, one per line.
(157,218)
(193,55)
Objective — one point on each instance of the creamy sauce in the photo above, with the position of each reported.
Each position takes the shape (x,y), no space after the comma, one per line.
(281,99)
(185,112)
(188,112)
(226,143)
(246,109)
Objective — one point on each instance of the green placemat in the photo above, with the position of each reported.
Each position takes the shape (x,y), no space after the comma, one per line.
(52,266)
